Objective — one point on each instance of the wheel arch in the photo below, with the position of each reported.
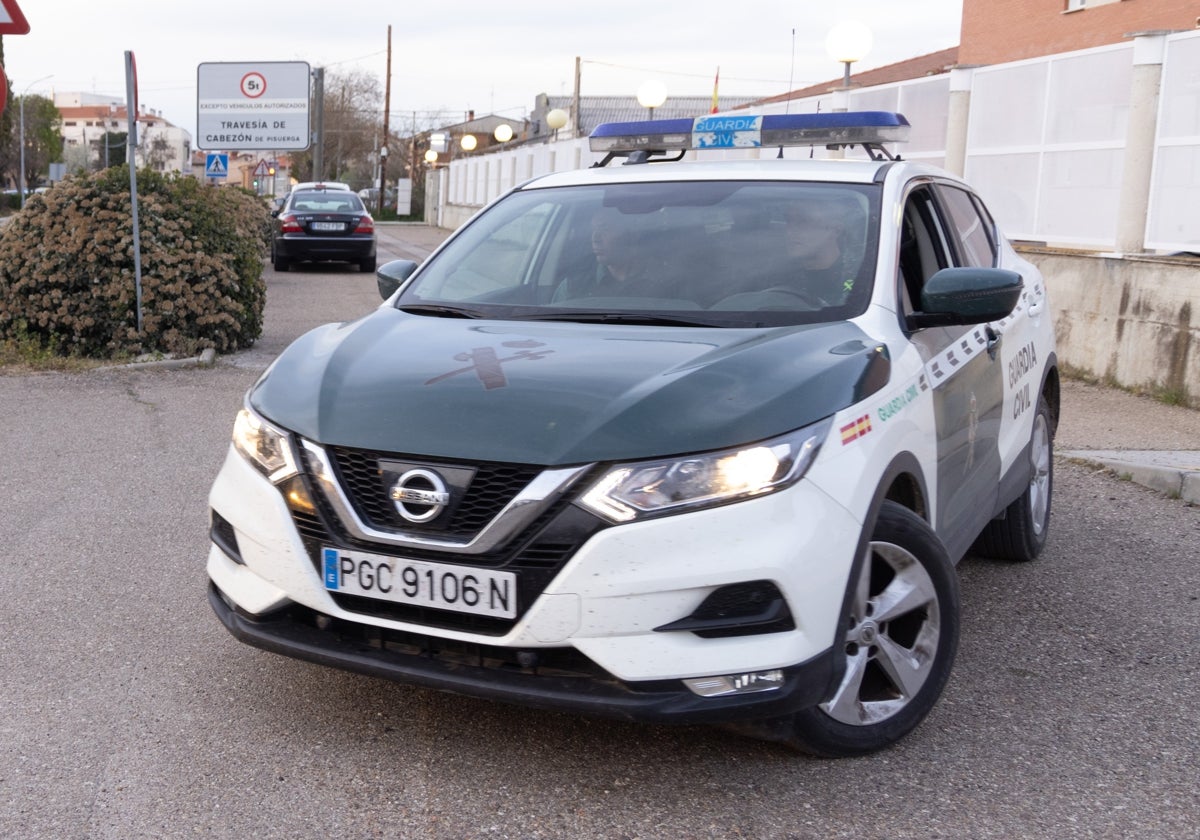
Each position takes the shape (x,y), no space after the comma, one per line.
(1051,390)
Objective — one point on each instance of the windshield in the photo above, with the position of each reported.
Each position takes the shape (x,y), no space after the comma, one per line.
(714,253)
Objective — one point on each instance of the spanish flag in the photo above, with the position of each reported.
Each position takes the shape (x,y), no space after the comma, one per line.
(716,82)
(853,431)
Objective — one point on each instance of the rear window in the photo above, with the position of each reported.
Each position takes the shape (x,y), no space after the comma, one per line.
(326,201)
(740,252)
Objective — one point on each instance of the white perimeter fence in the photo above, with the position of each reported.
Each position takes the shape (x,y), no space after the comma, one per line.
(1046,145)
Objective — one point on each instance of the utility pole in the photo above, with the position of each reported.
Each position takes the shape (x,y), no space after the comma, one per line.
(319,124)
(387,104)
(575,103)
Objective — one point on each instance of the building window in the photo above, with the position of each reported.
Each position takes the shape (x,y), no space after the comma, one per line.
(1080,5)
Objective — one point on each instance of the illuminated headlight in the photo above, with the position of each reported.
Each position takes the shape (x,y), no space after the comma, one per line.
(264,445)
(751,683)
(632,491)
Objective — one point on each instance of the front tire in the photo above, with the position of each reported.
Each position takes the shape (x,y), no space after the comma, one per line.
(1020,534)
(900,635)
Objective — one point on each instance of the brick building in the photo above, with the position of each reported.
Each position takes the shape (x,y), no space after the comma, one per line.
(996,31)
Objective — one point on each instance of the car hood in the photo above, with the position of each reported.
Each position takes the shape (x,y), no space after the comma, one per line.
(553,393)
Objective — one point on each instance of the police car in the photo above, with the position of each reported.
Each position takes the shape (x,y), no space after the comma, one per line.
(690,442)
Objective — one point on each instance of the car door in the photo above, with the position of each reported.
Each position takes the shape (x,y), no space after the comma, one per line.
(964,372)
(1025,343)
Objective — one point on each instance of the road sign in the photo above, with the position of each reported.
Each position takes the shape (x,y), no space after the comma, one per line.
(12,21)
(261,169)
(216,166)
(260,106)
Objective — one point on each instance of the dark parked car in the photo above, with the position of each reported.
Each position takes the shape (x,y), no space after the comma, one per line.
(323,225)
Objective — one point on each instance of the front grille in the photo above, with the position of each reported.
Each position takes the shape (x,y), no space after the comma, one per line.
(492,487)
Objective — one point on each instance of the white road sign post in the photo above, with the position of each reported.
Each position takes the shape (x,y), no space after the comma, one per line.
(252,106)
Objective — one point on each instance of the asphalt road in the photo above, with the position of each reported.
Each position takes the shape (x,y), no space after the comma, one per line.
(129,712)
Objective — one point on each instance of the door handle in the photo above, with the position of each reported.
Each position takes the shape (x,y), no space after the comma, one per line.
(993,343)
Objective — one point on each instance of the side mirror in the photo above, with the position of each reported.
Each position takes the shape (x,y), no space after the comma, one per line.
(391,276)
(962,296)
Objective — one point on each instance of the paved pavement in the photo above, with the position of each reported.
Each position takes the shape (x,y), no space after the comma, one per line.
(1136,437)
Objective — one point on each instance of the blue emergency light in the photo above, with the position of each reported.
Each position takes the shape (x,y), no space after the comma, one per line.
(870,129)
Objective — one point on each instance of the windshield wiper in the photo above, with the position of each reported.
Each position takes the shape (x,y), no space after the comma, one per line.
(641,318)
(439,310)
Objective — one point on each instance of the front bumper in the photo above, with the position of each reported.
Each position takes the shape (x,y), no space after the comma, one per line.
(600,638)
(298,632)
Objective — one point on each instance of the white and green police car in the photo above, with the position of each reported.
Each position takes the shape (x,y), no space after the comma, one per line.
(696,442)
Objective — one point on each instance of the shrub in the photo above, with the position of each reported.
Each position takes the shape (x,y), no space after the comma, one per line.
(67,272)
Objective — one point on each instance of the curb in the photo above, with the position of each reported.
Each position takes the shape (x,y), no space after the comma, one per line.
(1174,474)
(205,359)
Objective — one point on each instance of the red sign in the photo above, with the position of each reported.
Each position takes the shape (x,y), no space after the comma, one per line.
(12,21)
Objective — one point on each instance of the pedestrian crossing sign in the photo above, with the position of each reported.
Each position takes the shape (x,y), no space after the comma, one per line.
(216,166)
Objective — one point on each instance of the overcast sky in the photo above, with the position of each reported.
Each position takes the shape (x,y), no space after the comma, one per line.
(463,55)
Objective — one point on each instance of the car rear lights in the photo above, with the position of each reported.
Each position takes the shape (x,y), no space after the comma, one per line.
(288,224)
(365,225)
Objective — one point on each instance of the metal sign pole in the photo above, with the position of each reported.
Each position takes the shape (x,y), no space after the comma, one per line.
(131,106)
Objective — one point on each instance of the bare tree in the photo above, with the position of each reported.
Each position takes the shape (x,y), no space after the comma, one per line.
(353,105)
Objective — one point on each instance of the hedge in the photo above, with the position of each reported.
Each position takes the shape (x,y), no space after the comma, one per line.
(67,270)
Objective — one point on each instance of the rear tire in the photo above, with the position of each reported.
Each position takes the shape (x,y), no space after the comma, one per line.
(281,264)
(899,637)
(1020,535)
(367,266)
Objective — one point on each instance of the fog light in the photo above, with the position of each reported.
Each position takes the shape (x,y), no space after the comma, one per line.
(736,683)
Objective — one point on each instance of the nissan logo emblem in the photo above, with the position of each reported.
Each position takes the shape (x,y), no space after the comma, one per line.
(420,495)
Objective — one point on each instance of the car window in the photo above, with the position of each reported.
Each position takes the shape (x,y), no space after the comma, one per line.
(924,247)
(784,252)
(327,202)
(976,247)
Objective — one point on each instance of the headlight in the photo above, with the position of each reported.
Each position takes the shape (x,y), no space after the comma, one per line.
(264,445)
(651,488)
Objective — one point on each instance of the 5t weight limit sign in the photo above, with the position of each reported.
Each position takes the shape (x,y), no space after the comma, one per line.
(252,106)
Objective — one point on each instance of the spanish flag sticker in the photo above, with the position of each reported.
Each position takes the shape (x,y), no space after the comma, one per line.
(859,428)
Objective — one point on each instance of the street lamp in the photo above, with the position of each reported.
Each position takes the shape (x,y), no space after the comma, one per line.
(556,119)
(651,95)
(848,42)
(21,174)
(468,142)
(503,133)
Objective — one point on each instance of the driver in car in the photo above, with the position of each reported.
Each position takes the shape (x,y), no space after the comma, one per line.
(815,242)
(623,262)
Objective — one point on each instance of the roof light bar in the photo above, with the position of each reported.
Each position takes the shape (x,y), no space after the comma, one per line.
(749,131)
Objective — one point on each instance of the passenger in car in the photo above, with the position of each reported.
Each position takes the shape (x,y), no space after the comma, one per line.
(624,263)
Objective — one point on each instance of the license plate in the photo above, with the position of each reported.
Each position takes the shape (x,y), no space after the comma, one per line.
(437,585)
(328,226)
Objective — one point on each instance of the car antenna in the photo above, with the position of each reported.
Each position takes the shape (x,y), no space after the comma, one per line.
(787,107)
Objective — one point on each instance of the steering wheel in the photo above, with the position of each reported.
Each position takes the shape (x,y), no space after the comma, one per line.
(810,300)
